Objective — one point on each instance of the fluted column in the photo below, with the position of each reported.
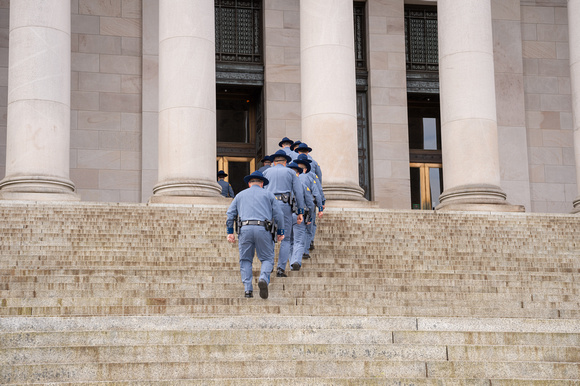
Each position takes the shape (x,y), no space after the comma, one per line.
(38,135)
(574,41)
(187,99)
(469,135)
(328,84)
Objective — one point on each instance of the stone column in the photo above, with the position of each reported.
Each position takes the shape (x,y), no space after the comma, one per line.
(38,135)
(328,84)
(574,41)
(469,135)
(187,101)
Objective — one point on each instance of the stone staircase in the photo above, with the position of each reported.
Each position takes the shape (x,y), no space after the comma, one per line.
(136,294)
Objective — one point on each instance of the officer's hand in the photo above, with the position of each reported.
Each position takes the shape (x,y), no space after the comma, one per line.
(280,238)
(231,238)
(320,214)
(309,222)
(299,219)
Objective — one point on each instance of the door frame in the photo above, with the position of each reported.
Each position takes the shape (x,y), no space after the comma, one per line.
(223,163)
(425,182)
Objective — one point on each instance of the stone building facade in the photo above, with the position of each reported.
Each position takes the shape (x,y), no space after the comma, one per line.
(154,93)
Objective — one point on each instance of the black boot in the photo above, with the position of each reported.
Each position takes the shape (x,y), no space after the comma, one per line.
(280,273)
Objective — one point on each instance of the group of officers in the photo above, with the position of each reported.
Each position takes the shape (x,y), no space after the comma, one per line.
(280,204)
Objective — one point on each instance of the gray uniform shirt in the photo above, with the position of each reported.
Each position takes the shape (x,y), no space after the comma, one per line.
(255,203)
(227,190)
(284,180)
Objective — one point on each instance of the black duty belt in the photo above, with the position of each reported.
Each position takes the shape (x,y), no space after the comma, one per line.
(253,222)
(284,197)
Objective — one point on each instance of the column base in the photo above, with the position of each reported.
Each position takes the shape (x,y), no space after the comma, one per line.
(352,204)
(481,198)
(343,192)
(576,203)
(190,200)
(38,188)
(187,188)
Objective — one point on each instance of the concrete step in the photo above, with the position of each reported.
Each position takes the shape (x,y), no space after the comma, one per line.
(275,309)
(201,369)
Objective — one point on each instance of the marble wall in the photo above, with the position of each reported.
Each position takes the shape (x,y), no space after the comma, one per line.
(106,99)
(389,150)
(282,72)
(510,104)
(548,105)
(4,24)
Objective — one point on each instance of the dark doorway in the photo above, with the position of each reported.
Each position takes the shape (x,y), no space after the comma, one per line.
(239,131)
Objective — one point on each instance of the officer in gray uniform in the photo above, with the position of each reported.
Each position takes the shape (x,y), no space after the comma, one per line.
(299,236)
(286,143)
(266,163)
(227,190)
(316,173)
(259,213)
(285,185)
(308,179)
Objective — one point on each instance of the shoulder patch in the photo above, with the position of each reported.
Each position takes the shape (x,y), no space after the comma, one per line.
(314,181)
(307,188)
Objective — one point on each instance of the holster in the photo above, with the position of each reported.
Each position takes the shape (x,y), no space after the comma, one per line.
(307,216)
(238,225)
(272,228)
(294,205)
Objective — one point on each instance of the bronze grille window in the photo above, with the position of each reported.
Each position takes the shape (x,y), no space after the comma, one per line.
(359,36)
(421,45)
(238,31)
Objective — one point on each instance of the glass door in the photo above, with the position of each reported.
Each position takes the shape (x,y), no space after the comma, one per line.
(426,185)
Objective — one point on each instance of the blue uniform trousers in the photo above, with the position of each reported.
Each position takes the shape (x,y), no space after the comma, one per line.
(309,237)
(299,237)
(255,238)
(284,252)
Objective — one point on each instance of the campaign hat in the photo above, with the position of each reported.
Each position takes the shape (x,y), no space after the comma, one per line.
(294,145)
(256,175)
(303,159)
(302,146)
(285,139)
(294,165)
(281,153)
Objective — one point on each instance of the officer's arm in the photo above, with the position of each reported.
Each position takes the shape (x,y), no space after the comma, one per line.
(277,215)
(318,172)
(232,213)
(298,189)
(318,186)
(309,200)
(231,191)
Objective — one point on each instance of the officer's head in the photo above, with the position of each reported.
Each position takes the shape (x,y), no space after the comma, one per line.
(304,162)
(266,161)
(285,142)
(281,158)
(256,178)
(303,148)
(221,175)
(256,181)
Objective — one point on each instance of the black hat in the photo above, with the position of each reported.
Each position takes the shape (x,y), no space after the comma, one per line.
(294,165)
(256,175)
(303,146)
(303,159)
(285,139)
(221,173)
(294,145)
(281,153)
(266,159)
